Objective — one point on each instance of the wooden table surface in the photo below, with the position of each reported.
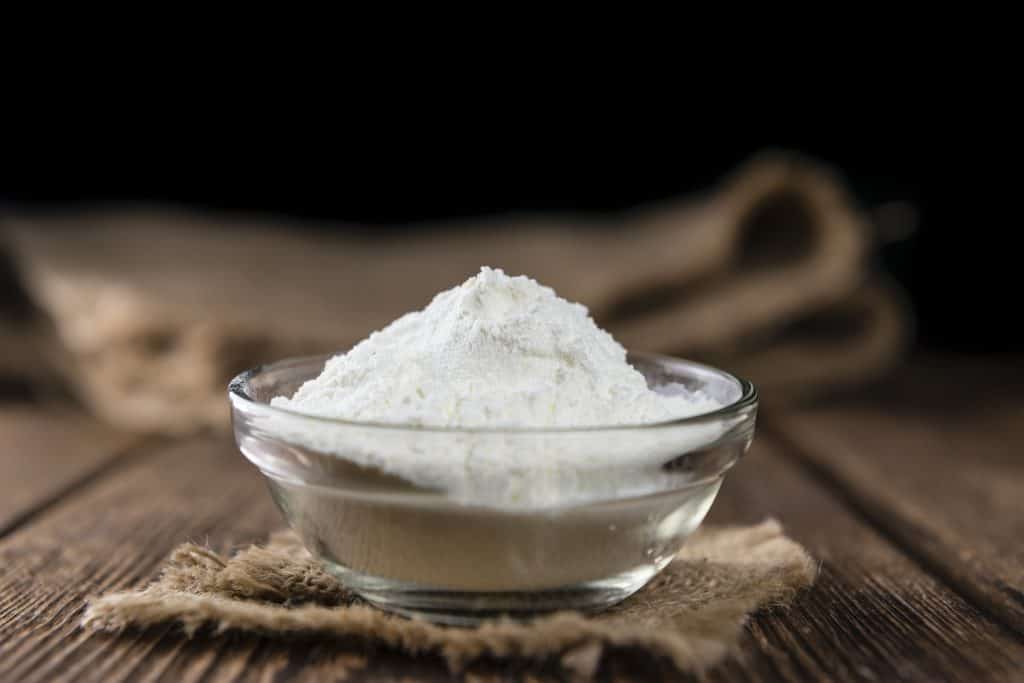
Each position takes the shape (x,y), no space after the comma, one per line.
(911,495)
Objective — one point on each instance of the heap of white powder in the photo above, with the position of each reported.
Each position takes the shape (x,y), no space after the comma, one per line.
(496,351)
(499,355)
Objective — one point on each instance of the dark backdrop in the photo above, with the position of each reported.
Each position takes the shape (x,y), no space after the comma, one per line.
(960,266)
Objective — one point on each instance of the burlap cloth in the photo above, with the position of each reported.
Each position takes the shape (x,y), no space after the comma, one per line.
(766,275)
(692,613)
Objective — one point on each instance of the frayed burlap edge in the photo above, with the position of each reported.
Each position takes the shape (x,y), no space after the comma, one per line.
(692,613)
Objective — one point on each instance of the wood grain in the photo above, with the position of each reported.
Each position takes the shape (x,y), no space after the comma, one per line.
(937,465)
(46,453)
(115,534)
(873,613)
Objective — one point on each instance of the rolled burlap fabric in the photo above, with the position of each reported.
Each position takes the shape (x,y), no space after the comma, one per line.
(29,353)
(158,309)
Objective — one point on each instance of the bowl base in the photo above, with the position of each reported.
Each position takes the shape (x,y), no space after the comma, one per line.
(469,608)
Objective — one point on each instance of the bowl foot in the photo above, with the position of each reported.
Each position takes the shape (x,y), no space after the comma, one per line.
(469,608)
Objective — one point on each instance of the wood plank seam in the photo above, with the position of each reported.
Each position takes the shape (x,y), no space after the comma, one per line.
(132,451)
(795,452)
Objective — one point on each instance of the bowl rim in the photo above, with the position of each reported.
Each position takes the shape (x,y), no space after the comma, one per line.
(241,400)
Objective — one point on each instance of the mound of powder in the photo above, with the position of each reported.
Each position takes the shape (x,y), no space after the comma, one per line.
(496,351)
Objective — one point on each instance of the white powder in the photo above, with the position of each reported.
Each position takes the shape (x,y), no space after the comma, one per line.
(496,351)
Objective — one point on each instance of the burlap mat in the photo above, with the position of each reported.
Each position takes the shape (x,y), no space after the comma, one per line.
(692,613)
(157,309)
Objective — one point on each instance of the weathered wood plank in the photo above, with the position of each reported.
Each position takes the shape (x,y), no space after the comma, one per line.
(115,534)
(43,453)
(937,464)
(872,613)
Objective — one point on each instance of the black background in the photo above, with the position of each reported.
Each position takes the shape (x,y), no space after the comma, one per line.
(960,267)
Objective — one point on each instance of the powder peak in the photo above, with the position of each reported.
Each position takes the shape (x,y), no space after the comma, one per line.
(495,351)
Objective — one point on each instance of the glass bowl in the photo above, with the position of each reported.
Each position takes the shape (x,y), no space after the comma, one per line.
(452,525)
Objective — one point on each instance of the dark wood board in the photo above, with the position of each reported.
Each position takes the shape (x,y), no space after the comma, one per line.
(873,615)
(114,534)
(936,462)
(44,454)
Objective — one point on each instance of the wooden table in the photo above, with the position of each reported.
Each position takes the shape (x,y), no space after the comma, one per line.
(911,494)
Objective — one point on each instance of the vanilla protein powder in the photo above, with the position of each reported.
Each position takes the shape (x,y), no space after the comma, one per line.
(496,351)
(468,382)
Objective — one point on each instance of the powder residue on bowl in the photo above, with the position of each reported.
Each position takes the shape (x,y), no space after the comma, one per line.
(494,352)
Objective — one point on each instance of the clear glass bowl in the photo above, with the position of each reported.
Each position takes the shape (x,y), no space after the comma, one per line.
(484,534)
